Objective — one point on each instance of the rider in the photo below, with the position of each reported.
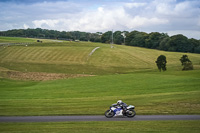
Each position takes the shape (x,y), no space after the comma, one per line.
(122,105)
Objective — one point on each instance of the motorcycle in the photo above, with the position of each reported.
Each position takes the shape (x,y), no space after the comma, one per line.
(116,110)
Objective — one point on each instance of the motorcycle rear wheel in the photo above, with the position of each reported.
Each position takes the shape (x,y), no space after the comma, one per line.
(109,113)
(131,113)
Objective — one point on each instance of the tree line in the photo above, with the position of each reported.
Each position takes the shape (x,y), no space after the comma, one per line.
(153,40)
(53,34)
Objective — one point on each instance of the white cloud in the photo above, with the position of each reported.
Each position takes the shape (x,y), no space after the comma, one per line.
(136,5)
(50,23)
(138,21)
(26,26)
(100,9)
(102,20)
(188,33)
(164,9)
(182,7)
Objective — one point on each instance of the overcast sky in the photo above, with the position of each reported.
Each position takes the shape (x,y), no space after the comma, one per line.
(168,16)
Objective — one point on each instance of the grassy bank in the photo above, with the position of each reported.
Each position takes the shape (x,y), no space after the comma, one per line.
(103,127)
(151,93)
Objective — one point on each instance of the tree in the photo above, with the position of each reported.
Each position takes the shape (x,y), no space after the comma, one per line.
(118,38)
(136,38)
(197,49)
(139,39)
(154,39)
(196,45)
(186,63)
(161,63)
(164,45)
(130,36)
(180,43)
(106,37)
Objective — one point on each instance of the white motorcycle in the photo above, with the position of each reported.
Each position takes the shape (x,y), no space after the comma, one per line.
(116,110)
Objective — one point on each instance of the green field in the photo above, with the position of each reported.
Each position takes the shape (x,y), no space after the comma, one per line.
(15,40)
(87,85)
(103,127)
(151,93)
(122,72)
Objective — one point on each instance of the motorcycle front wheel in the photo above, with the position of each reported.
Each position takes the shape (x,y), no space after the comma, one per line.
(109,113)
(130,113)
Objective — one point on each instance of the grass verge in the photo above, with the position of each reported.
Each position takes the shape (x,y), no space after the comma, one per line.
(103,127)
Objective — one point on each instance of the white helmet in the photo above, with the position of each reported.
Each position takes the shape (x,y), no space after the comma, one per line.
(119,101)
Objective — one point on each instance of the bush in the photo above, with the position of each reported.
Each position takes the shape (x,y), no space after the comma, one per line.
(186,63)
(187,66)
(161,63)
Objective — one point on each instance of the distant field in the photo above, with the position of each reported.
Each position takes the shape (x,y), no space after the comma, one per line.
(73,58)
(15,39)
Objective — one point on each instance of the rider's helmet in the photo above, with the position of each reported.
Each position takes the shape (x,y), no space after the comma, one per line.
(119,102)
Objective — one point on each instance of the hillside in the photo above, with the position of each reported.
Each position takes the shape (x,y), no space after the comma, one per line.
(15,40)
(121,72)
(67,57)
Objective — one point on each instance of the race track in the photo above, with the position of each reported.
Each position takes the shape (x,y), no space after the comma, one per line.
(96,118)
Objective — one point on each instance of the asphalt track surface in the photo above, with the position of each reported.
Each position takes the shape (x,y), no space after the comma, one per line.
(96,118)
